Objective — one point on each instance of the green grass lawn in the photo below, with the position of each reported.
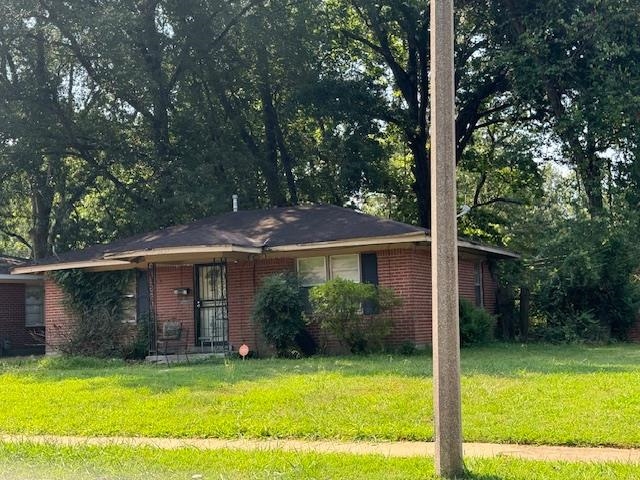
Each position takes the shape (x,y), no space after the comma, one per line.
(526,394)
(37,462)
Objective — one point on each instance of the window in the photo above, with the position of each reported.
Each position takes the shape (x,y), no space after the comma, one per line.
(312,271)
(129,314)
(345,266)
(477,284)
(34,306)
(317,270)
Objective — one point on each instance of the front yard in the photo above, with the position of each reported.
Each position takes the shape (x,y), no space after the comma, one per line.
(38,462)
(521,394)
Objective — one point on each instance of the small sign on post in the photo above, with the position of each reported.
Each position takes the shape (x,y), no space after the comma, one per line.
(243,350)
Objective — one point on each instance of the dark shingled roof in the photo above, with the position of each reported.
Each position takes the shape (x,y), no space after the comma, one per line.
(253,228)
(8,262)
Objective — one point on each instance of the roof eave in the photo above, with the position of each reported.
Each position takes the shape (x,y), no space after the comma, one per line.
(15,278)
(495,251)
(52,267)
(353,242)
(188,250)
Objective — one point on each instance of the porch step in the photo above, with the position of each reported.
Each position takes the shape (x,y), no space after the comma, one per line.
(182,358)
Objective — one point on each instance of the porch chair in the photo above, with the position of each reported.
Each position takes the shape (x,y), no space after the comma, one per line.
(171,340)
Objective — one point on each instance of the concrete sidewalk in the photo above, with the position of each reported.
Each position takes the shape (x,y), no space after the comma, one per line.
(390,449)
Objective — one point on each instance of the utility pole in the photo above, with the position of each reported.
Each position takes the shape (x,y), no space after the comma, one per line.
(444,247)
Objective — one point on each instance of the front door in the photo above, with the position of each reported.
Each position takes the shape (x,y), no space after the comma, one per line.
(212,321)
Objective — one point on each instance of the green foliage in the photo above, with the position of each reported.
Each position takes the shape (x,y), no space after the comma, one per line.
(570,328)
(136,341)
(278,309)
(476,324)
(94,300)
(337,306)
(585,281)
(76,363)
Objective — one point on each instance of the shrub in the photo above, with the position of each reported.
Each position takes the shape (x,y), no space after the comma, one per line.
(407,348)
(476,324)
(337,305)
(138,345)
(95,301)
(278,310)
(573,327)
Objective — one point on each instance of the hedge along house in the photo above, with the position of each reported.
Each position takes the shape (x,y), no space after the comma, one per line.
(205,274)
(21,310)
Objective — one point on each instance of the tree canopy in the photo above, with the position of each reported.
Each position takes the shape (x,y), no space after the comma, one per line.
(118,116)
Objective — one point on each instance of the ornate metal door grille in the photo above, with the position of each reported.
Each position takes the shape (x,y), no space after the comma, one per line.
(212,320)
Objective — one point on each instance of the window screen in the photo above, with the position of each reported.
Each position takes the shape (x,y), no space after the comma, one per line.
(312,271)
(345,266)
(34,306)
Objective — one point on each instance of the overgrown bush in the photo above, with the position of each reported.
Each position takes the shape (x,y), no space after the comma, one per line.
(476,324)
(585,283)
(137,345)
(278,310)
(94,299)
(571,328)
(338,307)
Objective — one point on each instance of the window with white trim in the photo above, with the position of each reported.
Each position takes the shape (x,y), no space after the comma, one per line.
(312,271)
(345,266)
(317,270)
(33,306)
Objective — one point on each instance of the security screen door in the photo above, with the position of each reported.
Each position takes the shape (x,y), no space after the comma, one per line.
(211,312)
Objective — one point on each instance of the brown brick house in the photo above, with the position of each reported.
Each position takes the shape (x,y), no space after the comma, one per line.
(21,310)
(205,274)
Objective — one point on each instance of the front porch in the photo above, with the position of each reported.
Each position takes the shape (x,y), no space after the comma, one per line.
(187,308)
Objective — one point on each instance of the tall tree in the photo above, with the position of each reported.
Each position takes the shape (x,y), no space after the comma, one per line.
(577,63)
(392,40)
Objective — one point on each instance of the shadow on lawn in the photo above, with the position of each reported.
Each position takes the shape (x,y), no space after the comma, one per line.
(496,360)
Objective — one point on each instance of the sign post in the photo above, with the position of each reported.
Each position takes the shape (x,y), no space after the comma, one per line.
(444,247)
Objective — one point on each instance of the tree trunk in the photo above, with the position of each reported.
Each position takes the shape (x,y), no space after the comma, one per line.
(590,169)
(270,163)
(41,204)
(506,311)
(422,173)
(153,56)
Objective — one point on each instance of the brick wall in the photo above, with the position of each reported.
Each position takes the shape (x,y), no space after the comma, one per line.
(243,280)
(57,319)
(13,333)
(408,273)
(170,307)
(634,332)
(466,279)
(490,287)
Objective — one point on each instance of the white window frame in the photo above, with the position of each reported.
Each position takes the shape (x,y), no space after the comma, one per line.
(328,270)
(312,284)
(358,266)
